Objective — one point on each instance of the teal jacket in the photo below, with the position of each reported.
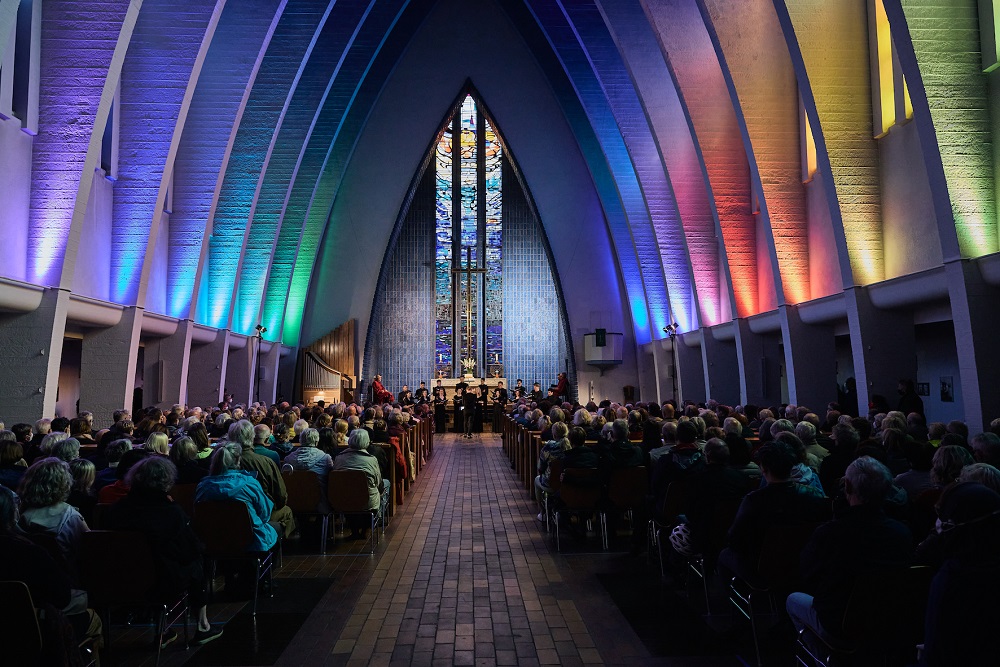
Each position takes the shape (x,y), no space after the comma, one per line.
(238,485)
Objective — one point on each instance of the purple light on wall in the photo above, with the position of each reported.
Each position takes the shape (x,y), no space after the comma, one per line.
(77,48)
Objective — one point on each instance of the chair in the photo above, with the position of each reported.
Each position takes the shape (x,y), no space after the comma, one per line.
(347,492)
(183,495)
(98,516)
(581,490)
(304,497)
(127,580)
(19,628)
(627,490)
(673,504)
(552,493)
(777,572)
(225,527)
(883,621)
(714,540)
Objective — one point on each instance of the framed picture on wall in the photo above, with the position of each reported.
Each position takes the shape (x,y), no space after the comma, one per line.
(923,389)
(947,389)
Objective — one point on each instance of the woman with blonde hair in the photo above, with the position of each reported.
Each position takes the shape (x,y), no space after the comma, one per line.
(340,428)
(157,443)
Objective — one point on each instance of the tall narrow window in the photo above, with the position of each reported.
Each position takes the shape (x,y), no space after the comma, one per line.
(468,256)
(807,142)
(890,96)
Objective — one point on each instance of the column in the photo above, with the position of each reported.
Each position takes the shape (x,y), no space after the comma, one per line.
(759,360)
(207,370)
(810,360)
(721,364)
(977,322)
(239,368)
(690,367)
(107,367)
(883,343)
(30,354)
(165,367)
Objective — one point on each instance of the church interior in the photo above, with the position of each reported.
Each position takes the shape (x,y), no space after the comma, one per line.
(676,207)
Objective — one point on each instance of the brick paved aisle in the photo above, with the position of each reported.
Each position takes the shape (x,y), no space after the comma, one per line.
(466,578)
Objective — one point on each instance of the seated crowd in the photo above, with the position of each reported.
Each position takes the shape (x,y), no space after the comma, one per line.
(59,479)
(884,491)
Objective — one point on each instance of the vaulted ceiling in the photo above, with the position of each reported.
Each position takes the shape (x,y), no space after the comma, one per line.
(239,122)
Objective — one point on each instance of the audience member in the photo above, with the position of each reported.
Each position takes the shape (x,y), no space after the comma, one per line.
(962,613)
(227,481)
(176,550)
(43,492)
(357,458)
(308,457)
(781,502)
(859,540)
(553,450)
(184,455)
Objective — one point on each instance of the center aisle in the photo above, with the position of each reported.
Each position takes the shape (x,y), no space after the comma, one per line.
(466,578)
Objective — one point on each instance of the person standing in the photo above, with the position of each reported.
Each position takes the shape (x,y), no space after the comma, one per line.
(459,404)
(440,410)
(422,395)
(470,401)
(500,398)
(481,407)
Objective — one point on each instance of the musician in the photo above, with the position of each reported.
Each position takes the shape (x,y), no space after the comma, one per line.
(423,395)
(470,401)
(561,388)
(379,393)
(458,402)
(536,392)
(405,397)
(483,391)
(440,410)
(519,390)
(500,396)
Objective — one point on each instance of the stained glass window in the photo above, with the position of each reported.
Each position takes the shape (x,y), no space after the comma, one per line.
(469,235)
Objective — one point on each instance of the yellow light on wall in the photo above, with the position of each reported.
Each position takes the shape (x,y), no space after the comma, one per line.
(884,102)
(808,144)
(907,103)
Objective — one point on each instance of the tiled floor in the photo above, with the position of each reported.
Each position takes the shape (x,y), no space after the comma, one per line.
(467,578)
(464,576)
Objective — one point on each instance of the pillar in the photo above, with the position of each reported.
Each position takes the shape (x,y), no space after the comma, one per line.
(977,322)
(721,365)
(810,360)
(690,368)
(107,367)
(759,361)
(30,354)
(884,346)
(165,363)
(207,370)
(267,373)
(239,369)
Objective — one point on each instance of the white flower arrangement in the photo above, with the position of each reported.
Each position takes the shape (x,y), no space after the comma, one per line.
(468,365)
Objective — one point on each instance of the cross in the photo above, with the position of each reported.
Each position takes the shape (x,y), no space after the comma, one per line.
(468,271)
